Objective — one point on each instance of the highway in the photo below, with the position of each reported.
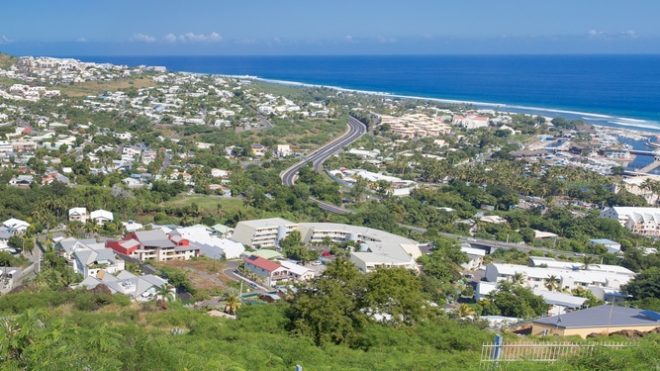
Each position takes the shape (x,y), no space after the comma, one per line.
(355,130)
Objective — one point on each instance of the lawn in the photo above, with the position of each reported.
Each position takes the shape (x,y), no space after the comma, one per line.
(209,204)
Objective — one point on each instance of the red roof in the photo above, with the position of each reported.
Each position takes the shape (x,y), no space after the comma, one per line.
(262,263)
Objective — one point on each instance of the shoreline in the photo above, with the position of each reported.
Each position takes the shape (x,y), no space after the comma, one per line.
(637,126)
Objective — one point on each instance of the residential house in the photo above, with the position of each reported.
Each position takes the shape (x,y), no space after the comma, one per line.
(139,288)
(78,214)
(269,271)
(154,245)
(101,217)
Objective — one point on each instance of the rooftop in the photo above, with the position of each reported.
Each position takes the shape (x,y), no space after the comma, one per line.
(604,316)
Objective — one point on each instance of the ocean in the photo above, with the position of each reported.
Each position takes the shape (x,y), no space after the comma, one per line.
(612,90)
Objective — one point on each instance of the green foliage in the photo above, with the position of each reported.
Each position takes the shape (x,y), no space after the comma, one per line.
(645,284)
(513,300)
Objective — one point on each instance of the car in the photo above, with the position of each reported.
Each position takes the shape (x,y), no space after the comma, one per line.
(316,262)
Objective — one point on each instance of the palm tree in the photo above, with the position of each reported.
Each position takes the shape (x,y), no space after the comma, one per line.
(232,304)
(465,310)
(587,261)
(552,283)
(164,295)
(518,278)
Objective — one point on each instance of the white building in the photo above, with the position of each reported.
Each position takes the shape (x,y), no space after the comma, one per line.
(211,246)
(475,257)
(78,214)
(536,277)
(640,220)
(262,232)
(101,217)
(283,150)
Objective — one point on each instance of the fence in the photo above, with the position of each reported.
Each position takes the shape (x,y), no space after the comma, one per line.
(492,354)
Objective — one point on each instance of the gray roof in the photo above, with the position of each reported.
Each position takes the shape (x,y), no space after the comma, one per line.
(154,238)
(600,317)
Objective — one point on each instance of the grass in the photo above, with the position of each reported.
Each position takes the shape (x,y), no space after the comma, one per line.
(209,204)
(96,87)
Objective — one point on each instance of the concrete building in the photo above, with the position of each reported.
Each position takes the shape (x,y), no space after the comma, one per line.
(101,217)
(154,245)
(78,214)
(262,232)
(536,277)
(640,220)
(603,319)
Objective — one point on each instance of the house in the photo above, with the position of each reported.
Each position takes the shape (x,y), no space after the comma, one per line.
(603,319)
(132,183)
(101,217)
(296,271)
(475,257)
(89,257)
(258,150)
(269,271)
(132,226)
(9,278)
(78,214)
(154,245)
(139,288)
(283,150)
(16,226)
(219,173)
(21,181)
(612,247)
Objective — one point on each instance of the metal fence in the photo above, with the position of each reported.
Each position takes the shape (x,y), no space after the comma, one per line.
(492,354)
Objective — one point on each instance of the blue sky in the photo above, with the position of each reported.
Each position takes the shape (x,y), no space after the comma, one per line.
(173,27)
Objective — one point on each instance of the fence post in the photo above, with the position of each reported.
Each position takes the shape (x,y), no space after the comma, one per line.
(497,354)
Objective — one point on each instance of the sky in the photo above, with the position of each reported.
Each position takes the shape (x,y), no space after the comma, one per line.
(298,27)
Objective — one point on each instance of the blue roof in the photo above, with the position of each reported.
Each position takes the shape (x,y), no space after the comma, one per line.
(604,316)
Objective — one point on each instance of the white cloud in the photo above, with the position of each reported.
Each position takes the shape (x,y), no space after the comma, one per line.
(193,37)
(598,34)
(4,40)
(143,38)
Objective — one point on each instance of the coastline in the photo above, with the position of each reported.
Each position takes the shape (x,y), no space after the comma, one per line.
(625,124)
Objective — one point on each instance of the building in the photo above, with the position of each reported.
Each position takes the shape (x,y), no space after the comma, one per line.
(543,262)
(258,150)
(612,247)
(603,319)
(640,220)
(558,302)
(89,257)
(376,248)
(139,288)
(269,271)
(101,217)
(475,257)
(209,245)
(154,245)
(262,232)
(78,214)
(536,277)
(283,150)
(296,271)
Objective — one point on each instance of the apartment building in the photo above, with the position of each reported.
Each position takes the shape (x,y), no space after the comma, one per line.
(263,232)
(154,245)
(644,221)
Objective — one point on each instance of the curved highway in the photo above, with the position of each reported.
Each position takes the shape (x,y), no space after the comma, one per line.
(355,130)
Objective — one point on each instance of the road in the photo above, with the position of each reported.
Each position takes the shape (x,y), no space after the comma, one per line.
(355,130)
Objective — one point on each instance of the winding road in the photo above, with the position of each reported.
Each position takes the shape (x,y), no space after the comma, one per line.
(355,130)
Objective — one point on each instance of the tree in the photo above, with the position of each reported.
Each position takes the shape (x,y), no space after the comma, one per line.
(393,294)
(164,295)
(645,285)
(514,300)
(232,303)
(587,261)
(552,283)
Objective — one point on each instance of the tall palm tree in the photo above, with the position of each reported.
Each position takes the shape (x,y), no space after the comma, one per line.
(232,304)
(164,295)
(552,283)
(587,261)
